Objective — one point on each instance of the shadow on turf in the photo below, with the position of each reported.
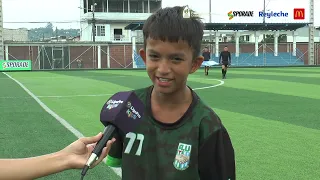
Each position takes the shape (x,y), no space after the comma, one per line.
(285,108)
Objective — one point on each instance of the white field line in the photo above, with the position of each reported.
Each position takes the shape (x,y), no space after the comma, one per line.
(99,95)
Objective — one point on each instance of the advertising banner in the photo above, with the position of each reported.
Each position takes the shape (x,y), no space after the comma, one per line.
(15,65)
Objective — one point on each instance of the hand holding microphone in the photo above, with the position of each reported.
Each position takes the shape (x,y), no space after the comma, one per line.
(122,113)
(79,151)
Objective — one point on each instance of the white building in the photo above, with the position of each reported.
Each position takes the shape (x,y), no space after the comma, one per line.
(111,16)
(20,34)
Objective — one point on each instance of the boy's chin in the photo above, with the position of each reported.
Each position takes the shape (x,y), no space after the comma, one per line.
(162,90)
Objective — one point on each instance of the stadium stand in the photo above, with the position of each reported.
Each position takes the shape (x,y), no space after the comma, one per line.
(246,59)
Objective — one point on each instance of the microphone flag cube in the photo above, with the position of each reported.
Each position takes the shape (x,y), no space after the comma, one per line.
(124,110)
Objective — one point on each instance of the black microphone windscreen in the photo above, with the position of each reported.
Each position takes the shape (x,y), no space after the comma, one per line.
(123,110)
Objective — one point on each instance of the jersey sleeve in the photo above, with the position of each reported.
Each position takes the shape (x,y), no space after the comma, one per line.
(216,153)
(114,158)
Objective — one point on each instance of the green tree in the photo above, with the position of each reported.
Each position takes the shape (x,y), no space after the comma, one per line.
(39,34)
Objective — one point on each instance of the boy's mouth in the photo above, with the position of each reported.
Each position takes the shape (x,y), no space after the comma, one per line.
(163,79)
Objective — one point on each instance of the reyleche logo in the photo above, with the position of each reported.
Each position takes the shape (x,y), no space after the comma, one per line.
(271,14)
(131,112)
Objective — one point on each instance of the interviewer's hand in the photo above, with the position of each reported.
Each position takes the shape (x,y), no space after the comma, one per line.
(79,151)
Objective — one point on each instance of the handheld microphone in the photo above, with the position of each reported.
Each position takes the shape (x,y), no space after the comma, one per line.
(122,112)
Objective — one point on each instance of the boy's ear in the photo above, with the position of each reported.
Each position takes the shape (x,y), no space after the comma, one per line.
(143,55)
(196,64)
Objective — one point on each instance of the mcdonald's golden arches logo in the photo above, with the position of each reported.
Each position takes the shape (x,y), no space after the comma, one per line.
(299,13)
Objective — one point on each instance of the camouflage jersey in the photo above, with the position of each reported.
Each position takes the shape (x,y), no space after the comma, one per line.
(196,147)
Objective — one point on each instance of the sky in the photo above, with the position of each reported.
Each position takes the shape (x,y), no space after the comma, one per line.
(30,13)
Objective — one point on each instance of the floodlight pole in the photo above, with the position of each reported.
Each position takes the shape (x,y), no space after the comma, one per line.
(210,32)
(93,22)
(311,58)
(1,33)
(264,11)
(264,35)
(93,7)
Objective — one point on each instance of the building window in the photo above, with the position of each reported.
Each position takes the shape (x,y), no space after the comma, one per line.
(100,31)
(247,37)
(117,34)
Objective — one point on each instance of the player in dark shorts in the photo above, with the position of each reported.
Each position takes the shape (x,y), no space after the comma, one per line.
(180,137)
(206,56)
(225,60)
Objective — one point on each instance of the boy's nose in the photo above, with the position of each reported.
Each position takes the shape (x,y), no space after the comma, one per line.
(164,67)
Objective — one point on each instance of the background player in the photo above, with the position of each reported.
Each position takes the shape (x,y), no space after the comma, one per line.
(225,60)
(180,137)
(206,56)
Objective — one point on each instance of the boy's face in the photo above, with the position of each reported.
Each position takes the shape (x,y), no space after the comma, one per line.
(169,64)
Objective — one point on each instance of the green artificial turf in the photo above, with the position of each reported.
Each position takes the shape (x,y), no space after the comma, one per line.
(272,115)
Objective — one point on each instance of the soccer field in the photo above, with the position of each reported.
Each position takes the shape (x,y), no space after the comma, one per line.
(272,115)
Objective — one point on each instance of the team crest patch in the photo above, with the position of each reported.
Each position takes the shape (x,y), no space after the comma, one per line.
(182,159)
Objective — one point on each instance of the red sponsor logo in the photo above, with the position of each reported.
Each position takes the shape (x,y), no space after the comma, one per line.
(299,13)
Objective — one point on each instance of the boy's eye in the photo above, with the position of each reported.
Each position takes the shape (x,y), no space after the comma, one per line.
(153,56)
(177,59)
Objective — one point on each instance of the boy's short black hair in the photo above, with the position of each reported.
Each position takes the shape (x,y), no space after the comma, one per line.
(168,24)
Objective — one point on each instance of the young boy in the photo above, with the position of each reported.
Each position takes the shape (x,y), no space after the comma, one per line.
(225,61)
(206,56)
(180,137)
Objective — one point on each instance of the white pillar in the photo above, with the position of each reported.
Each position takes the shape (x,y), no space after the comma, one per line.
(87,2)
(256,44)
(107,5)
(128,6)
(108,56)
(148,6)
(99,56)
(133,40)
(7,52)
(123,7)
(276,35)
(294,43)
(237,36)
(216,35)
(142,6)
